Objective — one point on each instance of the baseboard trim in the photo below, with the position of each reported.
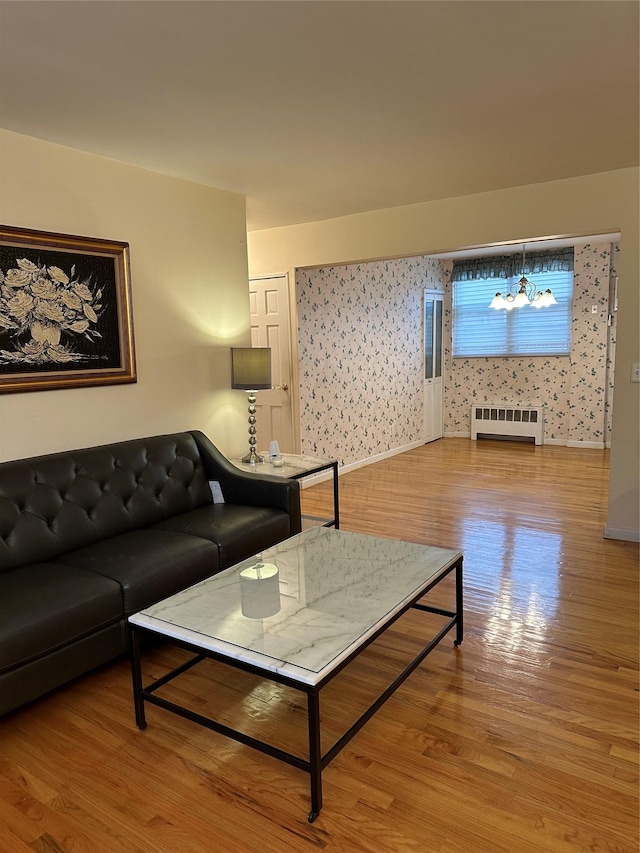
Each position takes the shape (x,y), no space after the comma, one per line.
(560,442)
(352,466)
(621,533)
(387,454)
(594,445)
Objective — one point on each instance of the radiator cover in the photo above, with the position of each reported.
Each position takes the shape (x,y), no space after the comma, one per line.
(508,421)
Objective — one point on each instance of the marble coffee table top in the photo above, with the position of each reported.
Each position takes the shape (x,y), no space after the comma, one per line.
(330,590)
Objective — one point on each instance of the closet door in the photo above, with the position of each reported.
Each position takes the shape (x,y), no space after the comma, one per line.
(433,391)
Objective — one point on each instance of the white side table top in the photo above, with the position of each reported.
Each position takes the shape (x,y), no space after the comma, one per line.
(294,465)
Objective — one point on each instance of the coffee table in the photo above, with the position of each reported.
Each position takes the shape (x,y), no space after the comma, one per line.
(297,614)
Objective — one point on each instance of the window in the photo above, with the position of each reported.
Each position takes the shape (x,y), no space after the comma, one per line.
(482,331)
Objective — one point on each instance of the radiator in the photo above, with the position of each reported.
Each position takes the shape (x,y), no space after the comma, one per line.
(507,421)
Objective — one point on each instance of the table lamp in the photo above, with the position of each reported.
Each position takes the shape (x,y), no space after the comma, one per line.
(251,372)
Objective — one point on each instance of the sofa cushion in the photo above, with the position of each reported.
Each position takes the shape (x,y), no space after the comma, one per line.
(148,564)
(48,605)
(239,531)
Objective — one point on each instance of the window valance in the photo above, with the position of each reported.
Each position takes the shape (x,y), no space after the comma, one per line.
(510,266)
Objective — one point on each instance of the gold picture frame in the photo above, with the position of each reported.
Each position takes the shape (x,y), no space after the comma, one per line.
(66,317)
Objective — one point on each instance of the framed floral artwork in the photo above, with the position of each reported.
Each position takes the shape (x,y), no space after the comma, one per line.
(65,311)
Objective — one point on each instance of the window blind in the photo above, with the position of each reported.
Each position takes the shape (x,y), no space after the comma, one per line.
(482,331)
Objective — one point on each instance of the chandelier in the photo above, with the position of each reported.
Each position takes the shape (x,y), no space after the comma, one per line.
(523,293)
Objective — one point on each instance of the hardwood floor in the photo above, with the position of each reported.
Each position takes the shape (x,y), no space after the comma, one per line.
(523,740)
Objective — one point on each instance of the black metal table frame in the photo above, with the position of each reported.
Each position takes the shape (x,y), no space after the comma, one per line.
(315,469)
(335,521)
(316,761)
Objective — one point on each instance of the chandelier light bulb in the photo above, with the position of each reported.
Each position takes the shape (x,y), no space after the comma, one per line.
(521,298)
(523,293)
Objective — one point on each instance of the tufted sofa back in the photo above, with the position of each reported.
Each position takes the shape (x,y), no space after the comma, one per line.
(62,501)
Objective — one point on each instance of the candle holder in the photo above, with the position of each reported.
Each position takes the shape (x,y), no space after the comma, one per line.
(260,590)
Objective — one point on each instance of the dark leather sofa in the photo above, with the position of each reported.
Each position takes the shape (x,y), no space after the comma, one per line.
(88,537)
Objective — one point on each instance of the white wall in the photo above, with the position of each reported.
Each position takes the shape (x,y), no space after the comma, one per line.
(588,205)
(189,292)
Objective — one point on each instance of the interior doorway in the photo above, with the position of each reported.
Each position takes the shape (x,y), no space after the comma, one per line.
(455,408)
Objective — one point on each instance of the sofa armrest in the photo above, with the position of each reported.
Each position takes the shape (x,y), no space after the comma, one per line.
(239,487)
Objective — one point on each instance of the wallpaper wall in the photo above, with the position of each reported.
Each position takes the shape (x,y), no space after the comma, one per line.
(589,379)
(571,388)
(360,356)
(360,359)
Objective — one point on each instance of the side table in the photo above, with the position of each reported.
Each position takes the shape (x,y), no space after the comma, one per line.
(295,467)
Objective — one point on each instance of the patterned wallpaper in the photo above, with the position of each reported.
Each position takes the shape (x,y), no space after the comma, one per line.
(360,356)
(571,388)
(360,359)
(587,419)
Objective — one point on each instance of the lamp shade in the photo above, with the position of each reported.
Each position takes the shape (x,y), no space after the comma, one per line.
(251,368)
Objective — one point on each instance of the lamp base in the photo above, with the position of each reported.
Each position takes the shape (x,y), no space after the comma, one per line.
(252,458)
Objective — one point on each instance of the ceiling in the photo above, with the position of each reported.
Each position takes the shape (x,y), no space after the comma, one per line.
(320,109)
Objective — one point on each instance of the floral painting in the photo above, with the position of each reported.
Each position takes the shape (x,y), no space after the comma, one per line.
(65,311)
(46,302)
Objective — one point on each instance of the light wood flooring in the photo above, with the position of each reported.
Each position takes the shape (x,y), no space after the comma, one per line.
(523,740)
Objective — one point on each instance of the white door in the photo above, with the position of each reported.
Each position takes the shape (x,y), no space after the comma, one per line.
(433,391)
(269,301)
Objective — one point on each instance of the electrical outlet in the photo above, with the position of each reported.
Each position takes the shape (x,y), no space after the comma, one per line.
(635,372)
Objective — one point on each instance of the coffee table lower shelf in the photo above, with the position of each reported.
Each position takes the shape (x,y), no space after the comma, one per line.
(317,761)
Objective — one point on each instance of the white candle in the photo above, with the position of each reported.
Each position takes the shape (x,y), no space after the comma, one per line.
(260,590)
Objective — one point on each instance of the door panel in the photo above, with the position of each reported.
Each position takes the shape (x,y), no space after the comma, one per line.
(433,390)
(269,305)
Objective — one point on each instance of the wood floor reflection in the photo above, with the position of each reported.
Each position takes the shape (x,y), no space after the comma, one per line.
(523,740)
